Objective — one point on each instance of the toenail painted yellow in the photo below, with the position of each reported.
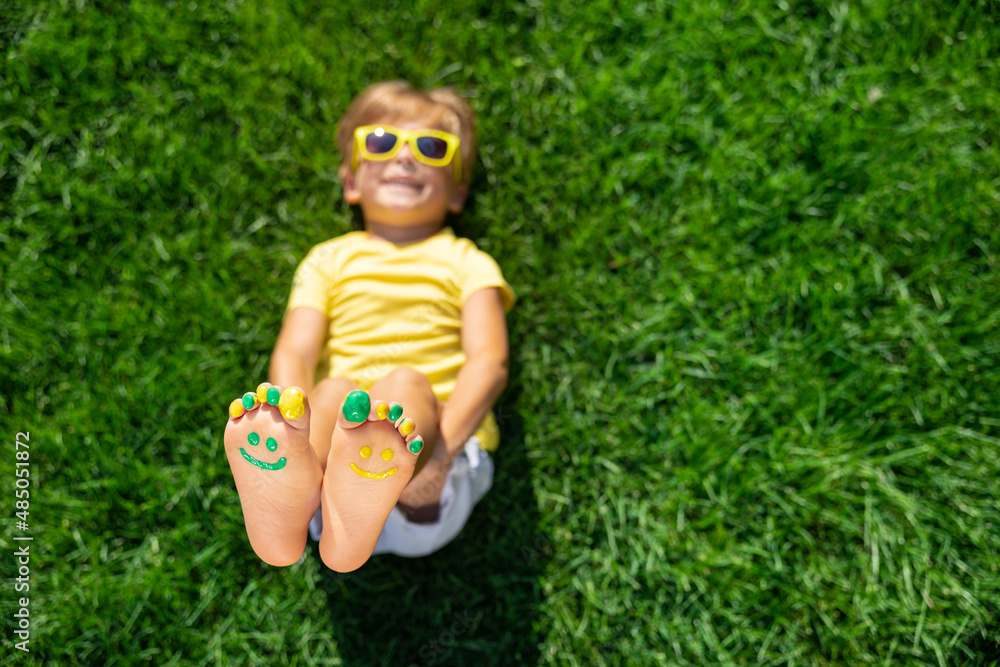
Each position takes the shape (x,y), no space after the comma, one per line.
(272,444)
(382,411)
(292,403)
(262,392)
(386,454)
(236,408)
(366,451)
(406,428)
(395,412)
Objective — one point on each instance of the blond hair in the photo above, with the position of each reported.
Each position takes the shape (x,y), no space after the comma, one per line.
(397,100)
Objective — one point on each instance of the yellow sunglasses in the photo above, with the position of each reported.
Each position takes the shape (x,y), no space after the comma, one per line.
(382,142)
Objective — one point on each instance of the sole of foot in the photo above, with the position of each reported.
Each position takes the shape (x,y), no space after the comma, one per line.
(373,452)
(277,475)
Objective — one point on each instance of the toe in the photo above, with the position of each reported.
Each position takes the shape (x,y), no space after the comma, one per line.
(415,446)
(246,403)
(268,393)
(405,426)
(250,401)
(292,405)
(236,409)
(356,410)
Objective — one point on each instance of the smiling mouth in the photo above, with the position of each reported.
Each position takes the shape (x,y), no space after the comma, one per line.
(264,464)
(371,475)
(403,182)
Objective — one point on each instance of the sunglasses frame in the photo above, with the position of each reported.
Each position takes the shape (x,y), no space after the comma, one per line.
(407,137)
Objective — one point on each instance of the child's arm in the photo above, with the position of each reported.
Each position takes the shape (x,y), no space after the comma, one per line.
(484,375)
(293,362)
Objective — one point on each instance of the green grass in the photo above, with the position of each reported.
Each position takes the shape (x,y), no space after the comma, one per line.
(753,415)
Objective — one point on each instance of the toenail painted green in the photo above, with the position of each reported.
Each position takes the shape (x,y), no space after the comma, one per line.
(272,444)
(273,396)
(395,412)
(253,439)
(416,446)
(249,401)
(357,406)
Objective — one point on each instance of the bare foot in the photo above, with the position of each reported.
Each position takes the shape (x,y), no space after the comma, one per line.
(276,471)
(371,460)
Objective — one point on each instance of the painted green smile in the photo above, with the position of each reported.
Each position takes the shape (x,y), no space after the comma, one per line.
(272,445)
(278,465)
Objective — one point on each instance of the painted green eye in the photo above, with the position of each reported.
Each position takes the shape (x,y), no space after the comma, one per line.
(271,444)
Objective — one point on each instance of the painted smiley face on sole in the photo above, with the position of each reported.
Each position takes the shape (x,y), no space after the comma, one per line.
(271,445)
(365,452)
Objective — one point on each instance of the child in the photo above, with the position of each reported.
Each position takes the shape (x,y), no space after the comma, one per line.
(395,321)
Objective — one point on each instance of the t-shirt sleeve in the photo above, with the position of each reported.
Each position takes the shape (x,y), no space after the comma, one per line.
(479,271)
(313,280)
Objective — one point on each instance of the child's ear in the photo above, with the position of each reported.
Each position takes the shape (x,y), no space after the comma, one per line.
(457,202)
(352,195)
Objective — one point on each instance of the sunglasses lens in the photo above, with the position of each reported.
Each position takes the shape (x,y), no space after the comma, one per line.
(432,147)
(380,143)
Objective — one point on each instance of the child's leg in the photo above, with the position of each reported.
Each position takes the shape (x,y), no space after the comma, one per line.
(419,500)
(276,472)
(413,390)
(371,460)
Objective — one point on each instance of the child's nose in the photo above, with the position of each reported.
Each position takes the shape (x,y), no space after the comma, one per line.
(405,154)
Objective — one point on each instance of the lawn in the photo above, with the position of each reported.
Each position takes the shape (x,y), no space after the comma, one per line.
(753,411)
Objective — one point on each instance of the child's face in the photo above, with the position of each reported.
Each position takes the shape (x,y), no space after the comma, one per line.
(402,191)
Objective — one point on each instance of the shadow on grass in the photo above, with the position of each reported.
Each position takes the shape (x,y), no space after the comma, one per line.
(474,602)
